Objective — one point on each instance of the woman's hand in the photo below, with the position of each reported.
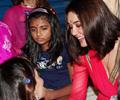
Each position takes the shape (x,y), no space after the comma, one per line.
(39,91)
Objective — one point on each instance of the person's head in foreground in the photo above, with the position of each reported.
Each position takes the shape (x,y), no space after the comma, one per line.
(18,79)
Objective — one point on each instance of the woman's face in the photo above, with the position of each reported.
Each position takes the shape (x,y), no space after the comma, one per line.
(41,31)
(75,27)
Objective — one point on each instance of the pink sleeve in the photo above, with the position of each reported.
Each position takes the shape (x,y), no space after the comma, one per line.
(10,19)
(6,49)
(79,84)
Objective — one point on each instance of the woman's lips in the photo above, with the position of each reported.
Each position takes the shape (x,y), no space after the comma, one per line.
(81,37)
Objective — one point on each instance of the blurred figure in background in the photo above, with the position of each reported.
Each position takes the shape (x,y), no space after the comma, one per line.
(7,49)
(114,6)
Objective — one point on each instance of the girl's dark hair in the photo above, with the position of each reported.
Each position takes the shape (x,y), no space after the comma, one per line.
(15,75)
(32,48)
(101,27)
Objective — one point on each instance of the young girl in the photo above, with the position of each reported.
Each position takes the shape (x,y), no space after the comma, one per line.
(45,47)
(15,18)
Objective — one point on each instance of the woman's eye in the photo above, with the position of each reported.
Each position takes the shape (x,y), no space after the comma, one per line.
(78,25)
(69,27)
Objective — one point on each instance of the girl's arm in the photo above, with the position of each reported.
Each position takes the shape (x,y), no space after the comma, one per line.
(70,69)
(60,93)
(57,94)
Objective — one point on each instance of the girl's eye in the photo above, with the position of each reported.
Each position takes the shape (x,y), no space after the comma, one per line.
(33,30)
(44,28)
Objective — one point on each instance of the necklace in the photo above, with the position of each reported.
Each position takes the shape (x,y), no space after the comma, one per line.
(116,68)
(110,59)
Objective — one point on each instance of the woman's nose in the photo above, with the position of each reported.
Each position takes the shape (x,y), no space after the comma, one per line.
(74,31)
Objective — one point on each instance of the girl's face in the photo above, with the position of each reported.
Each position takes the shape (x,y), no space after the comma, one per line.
(75,27)
(41,31)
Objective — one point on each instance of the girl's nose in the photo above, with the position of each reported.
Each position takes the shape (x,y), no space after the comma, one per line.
(38,32)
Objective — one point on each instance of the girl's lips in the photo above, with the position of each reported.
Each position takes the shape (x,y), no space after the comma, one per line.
(39,39)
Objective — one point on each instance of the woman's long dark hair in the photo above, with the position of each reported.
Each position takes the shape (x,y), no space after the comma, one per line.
(101,27)
(15,75)
(55,44)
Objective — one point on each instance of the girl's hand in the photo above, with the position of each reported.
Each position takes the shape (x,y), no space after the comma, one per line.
(49,94)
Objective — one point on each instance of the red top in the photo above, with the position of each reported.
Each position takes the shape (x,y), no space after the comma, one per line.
(97,74)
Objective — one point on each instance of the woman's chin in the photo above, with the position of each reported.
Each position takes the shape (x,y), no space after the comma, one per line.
(83,43)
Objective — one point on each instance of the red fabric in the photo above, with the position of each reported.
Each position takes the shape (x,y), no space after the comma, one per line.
(97,74)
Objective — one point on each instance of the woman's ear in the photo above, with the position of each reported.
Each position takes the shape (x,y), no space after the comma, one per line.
(28,88)
(39,88)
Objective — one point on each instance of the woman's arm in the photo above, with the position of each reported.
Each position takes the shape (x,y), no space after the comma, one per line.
(79,82)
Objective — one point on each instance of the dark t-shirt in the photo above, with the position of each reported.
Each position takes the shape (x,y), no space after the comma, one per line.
(56,75)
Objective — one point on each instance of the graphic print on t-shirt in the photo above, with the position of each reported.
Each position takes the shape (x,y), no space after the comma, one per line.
(42,64)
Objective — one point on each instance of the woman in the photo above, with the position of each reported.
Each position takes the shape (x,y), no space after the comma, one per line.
(93,42)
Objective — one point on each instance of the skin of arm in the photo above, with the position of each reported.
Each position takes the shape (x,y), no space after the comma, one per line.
(56,94)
